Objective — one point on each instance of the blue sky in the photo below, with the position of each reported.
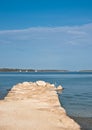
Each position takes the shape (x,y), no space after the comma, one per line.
(46,34)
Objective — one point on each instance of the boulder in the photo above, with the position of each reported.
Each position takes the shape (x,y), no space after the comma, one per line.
(59,89)
(41,83)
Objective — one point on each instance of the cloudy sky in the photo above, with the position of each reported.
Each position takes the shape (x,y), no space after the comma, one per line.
(46,34)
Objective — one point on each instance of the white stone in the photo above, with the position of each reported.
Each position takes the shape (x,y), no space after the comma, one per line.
(25,83)
(52,85)
(41,83)
(59,87)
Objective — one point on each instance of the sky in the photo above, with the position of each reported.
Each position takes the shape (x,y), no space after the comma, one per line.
(46,34)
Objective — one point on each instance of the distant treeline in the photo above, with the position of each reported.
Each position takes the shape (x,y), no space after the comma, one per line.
(52,70)
(33,70)
(28,70)
(85,71)
(15,70)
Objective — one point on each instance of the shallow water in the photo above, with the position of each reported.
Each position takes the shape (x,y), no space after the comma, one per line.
(76,97)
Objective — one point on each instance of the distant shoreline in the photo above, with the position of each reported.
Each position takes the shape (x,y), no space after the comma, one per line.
(38,70)
(29,70)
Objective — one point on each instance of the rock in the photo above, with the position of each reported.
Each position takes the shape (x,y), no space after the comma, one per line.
(25,83)
(52,85)
(40,83)
(59,89)
(36,96)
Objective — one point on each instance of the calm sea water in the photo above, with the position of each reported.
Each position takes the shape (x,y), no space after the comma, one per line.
(76,97)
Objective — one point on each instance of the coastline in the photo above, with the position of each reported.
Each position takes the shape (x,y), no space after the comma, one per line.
(40,70)
(34,105)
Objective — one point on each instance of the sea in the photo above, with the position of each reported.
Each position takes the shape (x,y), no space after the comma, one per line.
(76,96)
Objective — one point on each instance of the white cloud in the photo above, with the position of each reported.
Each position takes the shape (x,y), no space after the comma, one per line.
(56,35)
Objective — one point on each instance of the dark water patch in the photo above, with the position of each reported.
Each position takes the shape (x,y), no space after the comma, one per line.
(84,122)
(78,95)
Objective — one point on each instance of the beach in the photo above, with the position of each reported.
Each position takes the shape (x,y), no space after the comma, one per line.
(34,106)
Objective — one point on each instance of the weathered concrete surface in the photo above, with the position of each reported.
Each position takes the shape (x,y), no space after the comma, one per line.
(34,106)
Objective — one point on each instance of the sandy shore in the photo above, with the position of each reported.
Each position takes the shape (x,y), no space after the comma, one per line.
(34,106)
